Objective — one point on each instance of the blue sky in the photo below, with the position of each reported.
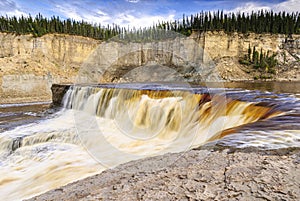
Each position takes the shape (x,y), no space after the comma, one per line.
(138,13)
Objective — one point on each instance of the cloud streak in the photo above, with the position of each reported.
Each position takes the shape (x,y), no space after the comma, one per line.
(249,7)
(133,1)
(10,8)
(74,12)
(288,6)
(143,20)
(137,13)
(129,17)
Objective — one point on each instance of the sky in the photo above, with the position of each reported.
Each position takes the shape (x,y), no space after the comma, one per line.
(136,13)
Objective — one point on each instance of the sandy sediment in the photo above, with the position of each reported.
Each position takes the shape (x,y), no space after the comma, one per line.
(203,174)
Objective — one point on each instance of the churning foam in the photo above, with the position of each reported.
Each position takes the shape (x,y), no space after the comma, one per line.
(103,127)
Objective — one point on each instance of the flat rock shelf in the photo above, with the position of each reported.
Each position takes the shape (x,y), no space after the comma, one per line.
(209,173)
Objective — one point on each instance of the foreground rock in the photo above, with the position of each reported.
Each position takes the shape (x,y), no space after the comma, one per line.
(194,175)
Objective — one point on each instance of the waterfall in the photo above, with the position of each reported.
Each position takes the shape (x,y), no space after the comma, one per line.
(102,127)
(175,115)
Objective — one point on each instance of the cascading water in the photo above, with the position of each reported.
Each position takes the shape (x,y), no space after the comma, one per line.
(178,117)
(102,127)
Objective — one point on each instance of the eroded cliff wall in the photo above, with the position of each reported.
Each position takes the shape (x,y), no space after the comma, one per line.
(29,66)
(226,49)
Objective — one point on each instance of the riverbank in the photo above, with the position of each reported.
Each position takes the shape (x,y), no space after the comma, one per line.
(64,159)
(29,65)
(216,173)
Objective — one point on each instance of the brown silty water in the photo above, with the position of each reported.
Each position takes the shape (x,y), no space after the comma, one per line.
(102,126)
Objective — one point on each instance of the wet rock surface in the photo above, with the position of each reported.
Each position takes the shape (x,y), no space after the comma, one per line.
(58,92)
(217,173)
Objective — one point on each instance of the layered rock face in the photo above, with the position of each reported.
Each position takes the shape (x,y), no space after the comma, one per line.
(29,66)
(226,49)
(200,57)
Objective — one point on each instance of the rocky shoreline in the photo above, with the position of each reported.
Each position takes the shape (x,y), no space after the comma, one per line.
(208,173)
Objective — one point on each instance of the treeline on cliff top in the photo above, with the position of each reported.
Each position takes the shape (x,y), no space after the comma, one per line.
(256,22)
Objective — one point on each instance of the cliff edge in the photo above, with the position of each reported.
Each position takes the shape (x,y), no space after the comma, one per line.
(30,65)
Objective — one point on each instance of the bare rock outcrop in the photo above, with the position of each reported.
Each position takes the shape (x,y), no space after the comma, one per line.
(227,174)
(29,65)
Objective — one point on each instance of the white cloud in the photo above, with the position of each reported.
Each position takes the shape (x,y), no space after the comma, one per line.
(8,5)
(288,6)
(141,21)
(128,18)
(129,15)
(16,13)
(73,12)
(10,8)
(133,13)
(249,7)
(133,1)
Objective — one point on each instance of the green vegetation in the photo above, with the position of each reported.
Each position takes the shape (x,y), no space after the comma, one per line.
(40,25)
(261,61)
(257,22)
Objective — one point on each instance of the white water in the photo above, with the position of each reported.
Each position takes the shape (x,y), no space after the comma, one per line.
(105,127)
(50,156)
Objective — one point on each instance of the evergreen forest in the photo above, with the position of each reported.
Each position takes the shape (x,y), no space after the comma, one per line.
(256,22)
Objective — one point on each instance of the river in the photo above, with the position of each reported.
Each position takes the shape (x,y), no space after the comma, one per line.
(102,126)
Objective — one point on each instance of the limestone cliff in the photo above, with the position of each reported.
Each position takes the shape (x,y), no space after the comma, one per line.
(29,66)
(226,49)
(200,57)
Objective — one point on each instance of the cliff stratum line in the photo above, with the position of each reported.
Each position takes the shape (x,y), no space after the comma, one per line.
(29,65)
(103,126)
